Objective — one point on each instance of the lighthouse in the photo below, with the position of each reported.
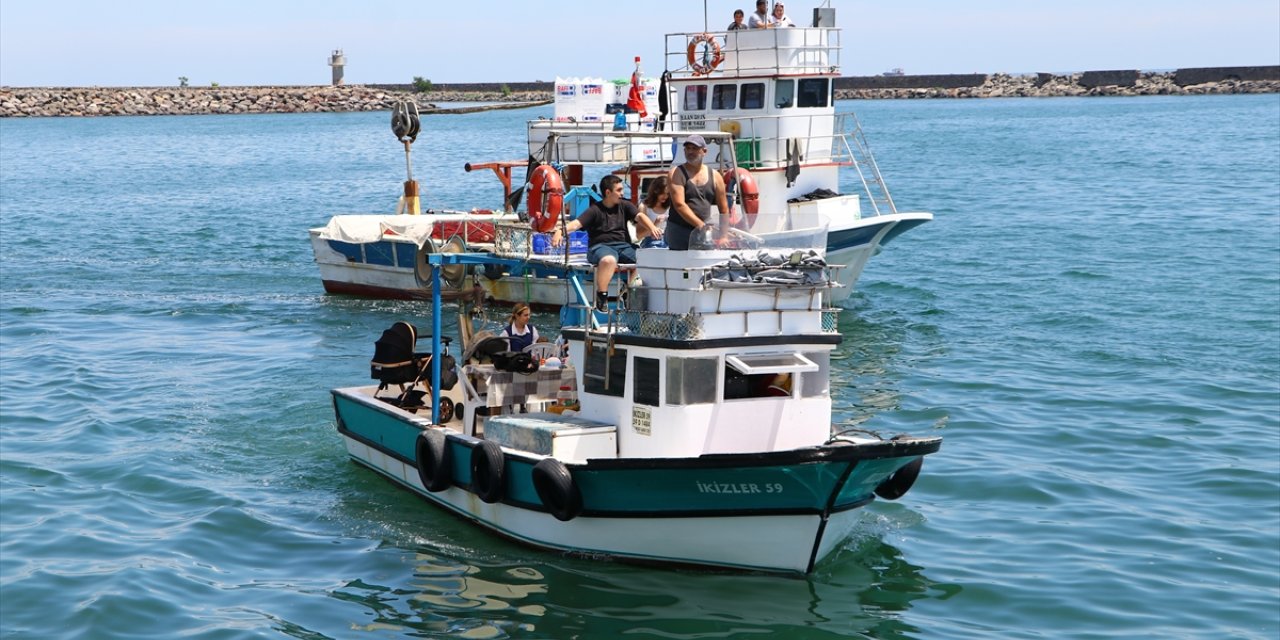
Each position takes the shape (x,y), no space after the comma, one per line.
(337,61)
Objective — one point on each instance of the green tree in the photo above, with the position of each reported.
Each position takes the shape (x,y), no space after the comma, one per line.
(421,84)
(183,80)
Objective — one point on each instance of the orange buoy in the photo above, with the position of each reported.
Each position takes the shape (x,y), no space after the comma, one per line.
(748,189)
(546,198)
(704,66)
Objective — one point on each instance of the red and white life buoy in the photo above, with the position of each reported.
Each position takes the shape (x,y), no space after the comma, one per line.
(546,198)
(748,190)
(703,64)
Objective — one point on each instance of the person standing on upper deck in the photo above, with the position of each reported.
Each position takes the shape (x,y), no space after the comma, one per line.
(608,242)
(760,19)
(694,186)
(779,17)
(737,21)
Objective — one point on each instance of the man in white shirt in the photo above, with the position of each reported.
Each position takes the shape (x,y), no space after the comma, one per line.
(760,19)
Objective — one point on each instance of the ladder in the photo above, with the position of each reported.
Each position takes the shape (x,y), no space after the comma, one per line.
(865,163)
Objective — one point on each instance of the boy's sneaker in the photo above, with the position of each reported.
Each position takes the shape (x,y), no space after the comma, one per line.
(602,302)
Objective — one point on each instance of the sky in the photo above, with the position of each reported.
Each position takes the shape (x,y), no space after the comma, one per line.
(261,42)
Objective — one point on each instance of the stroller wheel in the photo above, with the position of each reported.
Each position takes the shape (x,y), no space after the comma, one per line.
(446,410)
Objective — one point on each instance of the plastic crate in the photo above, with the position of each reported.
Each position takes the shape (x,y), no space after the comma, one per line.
(543,243)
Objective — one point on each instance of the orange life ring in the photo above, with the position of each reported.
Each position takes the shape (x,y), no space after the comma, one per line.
(701,68)
(748,189)
(546,198)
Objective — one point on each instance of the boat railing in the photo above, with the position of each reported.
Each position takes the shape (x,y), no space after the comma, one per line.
(751,142)
(750,52)
(697,325)
(776,141)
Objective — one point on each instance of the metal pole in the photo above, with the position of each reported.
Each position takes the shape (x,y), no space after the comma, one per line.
(435,338)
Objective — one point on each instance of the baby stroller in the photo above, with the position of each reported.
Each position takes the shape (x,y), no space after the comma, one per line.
(395,363)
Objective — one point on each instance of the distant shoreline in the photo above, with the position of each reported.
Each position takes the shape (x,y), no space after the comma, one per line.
(110,101)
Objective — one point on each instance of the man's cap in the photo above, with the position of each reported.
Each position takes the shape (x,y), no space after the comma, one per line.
(696,139)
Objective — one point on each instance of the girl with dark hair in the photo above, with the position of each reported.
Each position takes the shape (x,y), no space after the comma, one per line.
(657,205)
(522,333)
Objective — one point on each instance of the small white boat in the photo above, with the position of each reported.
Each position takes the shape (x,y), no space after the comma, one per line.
(385,256)
(691,425)
(771,90)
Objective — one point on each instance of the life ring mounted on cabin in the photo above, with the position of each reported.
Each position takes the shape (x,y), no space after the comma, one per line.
(748,192)
(704,61)
(546,198)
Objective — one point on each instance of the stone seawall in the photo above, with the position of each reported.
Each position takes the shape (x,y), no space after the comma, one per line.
(1044,85)
(104,101)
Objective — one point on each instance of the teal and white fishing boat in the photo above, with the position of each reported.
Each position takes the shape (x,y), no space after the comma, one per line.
(690,425)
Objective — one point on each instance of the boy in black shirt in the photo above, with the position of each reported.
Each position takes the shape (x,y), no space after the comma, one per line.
(608,242)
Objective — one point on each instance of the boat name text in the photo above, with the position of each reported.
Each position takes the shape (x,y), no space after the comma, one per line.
(693,121)
(738,487)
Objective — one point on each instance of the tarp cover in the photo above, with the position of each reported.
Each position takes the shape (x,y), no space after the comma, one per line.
(364,228)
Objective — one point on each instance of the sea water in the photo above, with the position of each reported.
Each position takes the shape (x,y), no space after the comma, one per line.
(1092,322)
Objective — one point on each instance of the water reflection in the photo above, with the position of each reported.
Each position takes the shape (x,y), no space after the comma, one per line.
(864,590)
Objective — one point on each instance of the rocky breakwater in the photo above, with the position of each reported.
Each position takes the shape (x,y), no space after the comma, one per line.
(151,101)
(1044,85)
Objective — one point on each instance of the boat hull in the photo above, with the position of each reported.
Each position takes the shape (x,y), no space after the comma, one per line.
(777,512)
(852,246)
(394,277)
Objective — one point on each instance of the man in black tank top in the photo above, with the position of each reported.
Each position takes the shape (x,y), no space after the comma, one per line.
(694,187)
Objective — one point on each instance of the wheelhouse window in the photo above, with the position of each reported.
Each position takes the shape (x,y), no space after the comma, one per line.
(763,375)
(604,374)
(752,96)
(817,384)
(695,97)
(724,96)
(814,92)
(770,363)
(645,382)
(691,380)
(784,93)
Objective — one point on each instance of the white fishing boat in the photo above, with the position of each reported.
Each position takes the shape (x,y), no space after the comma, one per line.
(689,425)
(771,90)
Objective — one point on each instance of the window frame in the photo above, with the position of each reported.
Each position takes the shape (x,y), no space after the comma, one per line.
(597,358)
(747,88)
(825,94)
(790,83)
(697,90)
(799,364)
(717,97)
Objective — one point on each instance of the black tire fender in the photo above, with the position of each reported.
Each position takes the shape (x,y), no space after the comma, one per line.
(557,490)
(487,471)
(898,484)
(434,468)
